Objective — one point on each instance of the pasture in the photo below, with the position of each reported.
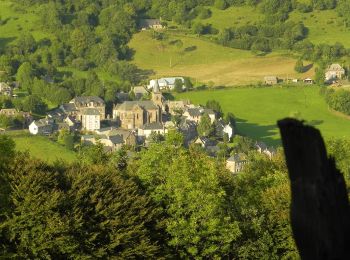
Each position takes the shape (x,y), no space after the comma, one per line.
(258,109)
(41,147)
(206,61)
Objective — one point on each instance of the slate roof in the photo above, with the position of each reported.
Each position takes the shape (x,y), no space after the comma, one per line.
(152,126)
(91,112)
(194,112)
(87,99)
(129,105)
(116,139)
(238,157)
(69,107)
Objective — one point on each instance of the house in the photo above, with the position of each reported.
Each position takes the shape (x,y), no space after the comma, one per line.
(41,127)
(91,118)
(236,162)
(12,112)
(270,80)
(5,89)
(334,72)
(166,83)
(154,24)
(72,123)
(195,114)
(112,139)
(308,81)
(176,106)
(189,130)
(140,92)
(9,112)
(264,149)
(78,105)
(122,96)
(147,129)
(205,142)
(222,128)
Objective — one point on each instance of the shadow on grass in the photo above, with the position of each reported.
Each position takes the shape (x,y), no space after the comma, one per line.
(264,133)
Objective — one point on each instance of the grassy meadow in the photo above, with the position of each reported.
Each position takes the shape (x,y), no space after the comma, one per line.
(258,109)
(41,147)
(206,61)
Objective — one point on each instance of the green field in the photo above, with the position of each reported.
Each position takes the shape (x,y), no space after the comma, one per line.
(258,109)
(41,147)
(207,61)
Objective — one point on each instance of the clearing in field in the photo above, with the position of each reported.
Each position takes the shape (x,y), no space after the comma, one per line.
(206,61)
(258,109)
(41,147)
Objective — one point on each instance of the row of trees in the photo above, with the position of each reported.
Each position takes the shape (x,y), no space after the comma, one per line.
(166,201)
(338,100)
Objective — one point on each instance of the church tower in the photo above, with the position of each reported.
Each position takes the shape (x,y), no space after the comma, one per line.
(157,96)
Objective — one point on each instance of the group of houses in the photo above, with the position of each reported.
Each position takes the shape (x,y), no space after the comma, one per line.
(131,122)
(237,161)
(333,74)
(6,89)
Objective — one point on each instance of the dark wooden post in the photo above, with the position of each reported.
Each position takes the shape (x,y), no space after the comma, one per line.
(320,212)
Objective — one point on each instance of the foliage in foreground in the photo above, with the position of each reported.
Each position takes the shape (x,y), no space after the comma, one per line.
(166,201)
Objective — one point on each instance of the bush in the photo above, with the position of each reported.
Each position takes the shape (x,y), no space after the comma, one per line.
(204,13)
(80,64)
(220,4)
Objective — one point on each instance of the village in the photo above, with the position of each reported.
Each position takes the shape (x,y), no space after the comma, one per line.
(136,123)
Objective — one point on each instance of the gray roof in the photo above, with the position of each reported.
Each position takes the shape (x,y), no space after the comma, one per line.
(152,126)
(237,157)
(129,105)
(194,111)
(149,22)
(116,139)
(91,112)
(87,99)
(68,107)
(140,90)
(261,145)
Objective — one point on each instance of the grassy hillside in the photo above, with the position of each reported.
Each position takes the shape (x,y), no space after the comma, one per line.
(258,109)
(324,27)
(207,61)
(233,16)
(17,21)
(41,147)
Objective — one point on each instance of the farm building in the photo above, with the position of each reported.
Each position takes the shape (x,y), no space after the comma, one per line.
(333,72)
(154,24)
(270,80)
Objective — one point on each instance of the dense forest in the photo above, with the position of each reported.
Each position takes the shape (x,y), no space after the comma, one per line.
(166,201)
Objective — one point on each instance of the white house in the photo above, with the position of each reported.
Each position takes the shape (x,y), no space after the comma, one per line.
(333,72)
(147,129)
(228,129)
(91,119)
(42,126)
(165,83)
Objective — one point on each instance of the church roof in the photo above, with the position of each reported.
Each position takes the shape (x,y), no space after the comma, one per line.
(129,105)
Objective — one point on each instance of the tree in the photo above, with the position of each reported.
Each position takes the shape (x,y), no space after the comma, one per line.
(66,138)
(205,127)
(187,82)
(93,154)
(214,105)
(25,76)
(34,104)
(5,121)
(220,4)
(185,183)
(319,76)
(299,66)
(178,85)
(230,119)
